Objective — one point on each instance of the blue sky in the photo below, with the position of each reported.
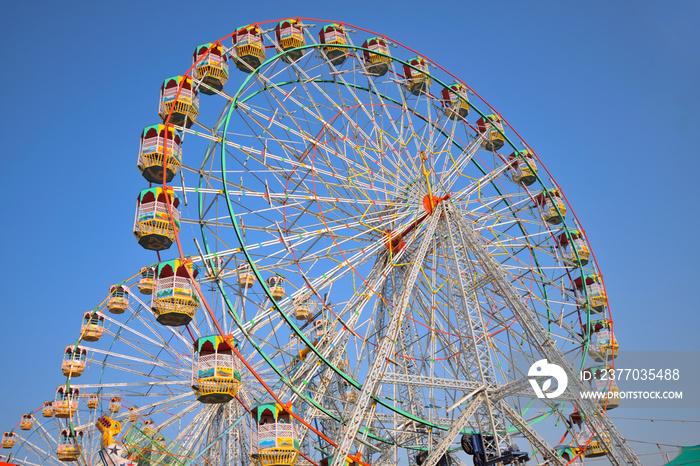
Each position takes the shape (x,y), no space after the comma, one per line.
(605,92)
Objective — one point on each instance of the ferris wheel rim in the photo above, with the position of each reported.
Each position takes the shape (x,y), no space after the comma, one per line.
(242,245)
(248,257)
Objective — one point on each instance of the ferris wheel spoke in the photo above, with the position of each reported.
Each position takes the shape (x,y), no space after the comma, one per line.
(354,147)
(531,435)
(360,299)
(189,405)
(50,441)
(165,403)
(133,359)
(353,121)
(474,186)
(40,451)
(122,327)
(138,386)
(327,278)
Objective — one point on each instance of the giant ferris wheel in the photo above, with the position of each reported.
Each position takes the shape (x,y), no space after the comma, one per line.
(358,261)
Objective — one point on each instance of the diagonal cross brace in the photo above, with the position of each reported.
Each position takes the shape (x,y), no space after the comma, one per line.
(531,435)
(456,428)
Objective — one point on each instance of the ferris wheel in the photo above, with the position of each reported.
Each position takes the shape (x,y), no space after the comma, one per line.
(150,379)
(359,260)
(44,436)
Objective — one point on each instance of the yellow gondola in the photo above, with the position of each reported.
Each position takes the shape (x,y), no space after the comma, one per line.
(66,402)
(179,102)
(417,76)
(290,37)
(551,206)
(211,67)
(175,300)
(27,421)
(275,440)
(248,48)
(68,445)
(157,142)
(74,361)
(455,101)
(216,375)
(153,227)
(334,38)
(377,57)
(523,168)
(490,129)
(93,326)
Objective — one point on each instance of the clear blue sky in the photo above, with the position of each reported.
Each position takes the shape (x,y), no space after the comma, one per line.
(607,93)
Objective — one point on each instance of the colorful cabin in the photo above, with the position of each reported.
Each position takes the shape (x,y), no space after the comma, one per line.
(216,266)
(597,445)
(455,101)
(147,280)
(150,428)
(152,226)
(573,248)
(490,129)
(115,404)
(593,290)
(302,310)
(274,441)
(602,345)
(523,168)
(246,278)
(66,402)
(216,375)
(93,400)
(93,326)
(74,360)
(9,439)
(210,67)
(118,299)
(349,395)
(321,327)
(417,76)
(377,57)
(132,414)
(290,37)
(175,301)
(276,285)
(567,453)
(27,421)
(249,48)
(47,409)
(159,141)
(334,38)
(69,445)
(599,379)
(178,95)
(551,206)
